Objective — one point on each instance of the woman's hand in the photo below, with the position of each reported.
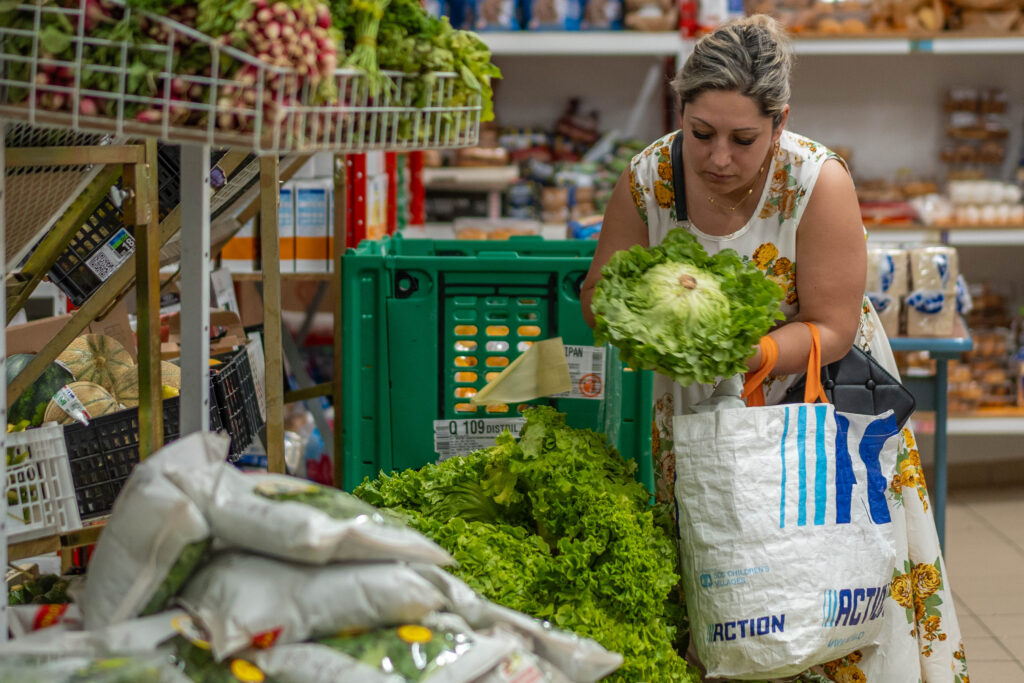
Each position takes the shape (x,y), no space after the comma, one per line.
(622,228)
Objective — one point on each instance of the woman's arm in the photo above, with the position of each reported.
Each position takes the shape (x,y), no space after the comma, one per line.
(622,228)
(831,263)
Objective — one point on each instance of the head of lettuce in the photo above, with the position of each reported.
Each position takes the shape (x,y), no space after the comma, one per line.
(674,309)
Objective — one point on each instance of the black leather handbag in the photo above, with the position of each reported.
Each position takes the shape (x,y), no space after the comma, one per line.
(856,383)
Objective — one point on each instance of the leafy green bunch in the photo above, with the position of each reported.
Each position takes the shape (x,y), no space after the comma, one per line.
(556,526)
(674,309)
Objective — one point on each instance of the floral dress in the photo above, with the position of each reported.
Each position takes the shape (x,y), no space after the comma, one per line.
(921,639)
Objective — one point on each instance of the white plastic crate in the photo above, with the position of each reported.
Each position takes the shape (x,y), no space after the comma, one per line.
(40,492)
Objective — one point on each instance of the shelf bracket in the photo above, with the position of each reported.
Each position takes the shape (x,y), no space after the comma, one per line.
(268,209)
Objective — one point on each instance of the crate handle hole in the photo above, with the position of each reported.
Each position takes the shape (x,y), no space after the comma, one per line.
(405,285)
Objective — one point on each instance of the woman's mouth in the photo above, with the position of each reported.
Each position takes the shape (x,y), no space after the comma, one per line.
(718,178)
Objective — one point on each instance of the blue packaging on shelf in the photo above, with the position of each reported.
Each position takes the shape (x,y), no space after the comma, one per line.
(493,15)
(552,15)
(601,15)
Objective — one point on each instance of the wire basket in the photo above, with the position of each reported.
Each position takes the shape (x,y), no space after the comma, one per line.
(135,87)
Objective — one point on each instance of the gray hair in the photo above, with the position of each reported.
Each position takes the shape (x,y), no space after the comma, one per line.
(752,56)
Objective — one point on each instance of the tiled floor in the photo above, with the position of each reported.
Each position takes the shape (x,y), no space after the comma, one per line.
(985,561)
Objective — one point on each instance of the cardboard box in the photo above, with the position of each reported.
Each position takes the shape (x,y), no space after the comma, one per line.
(226,322)
(31,337)
(313,225)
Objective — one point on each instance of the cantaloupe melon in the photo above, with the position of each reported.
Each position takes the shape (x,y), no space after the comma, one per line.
(96,399)
(126,383)
(96,358)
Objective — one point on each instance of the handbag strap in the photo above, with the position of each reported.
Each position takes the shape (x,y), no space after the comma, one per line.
(753,385)
(813,391)
(678,181)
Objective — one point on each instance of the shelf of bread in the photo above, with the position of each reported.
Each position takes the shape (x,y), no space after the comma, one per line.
(470,177)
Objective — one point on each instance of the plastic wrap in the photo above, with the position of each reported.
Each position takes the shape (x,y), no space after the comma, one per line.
(931,313)
(934,268)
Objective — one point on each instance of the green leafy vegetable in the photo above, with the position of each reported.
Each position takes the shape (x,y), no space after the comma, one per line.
(674,309)
(412,652)
(554,525)
(188,562)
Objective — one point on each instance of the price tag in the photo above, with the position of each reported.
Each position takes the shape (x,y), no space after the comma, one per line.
(460,437)
(586,370)
(111,255)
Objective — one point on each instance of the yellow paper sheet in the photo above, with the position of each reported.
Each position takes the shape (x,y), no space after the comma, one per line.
(541,371)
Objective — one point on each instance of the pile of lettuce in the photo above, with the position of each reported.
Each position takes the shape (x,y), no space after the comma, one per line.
(674,309)
(555,525)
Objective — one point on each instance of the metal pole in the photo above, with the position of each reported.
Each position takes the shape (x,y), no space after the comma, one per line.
(142,211)
(337,249)
(3,385)
(939,488)
(195,288)
(270,199)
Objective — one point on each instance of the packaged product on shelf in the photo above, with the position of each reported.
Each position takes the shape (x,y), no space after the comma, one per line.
(313,227)
(240,253)
(297,520)
(601,15)
(652,15)
(491,15)
(494,228)
(156,535)
(934,268)
(930,313)
(887,271)
(888,308)
(552,15)
(247,601)
(25,619)
(286,228)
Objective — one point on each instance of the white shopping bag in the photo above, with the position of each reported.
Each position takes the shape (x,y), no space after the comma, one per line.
(785,532)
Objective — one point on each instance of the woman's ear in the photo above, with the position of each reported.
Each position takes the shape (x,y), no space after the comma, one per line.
(777,132)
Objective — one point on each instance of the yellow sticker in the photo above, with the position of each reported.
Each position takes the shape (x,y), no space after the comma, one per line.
(247,672)
(285,487)
(415,634)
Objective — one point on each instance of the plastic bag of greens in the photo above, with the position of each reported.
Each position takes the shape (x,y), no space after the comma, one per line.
(156,535)
(582,660)
(521,664)
(439,649)
(250,601)
(299,521)
(24,619)
(150,668)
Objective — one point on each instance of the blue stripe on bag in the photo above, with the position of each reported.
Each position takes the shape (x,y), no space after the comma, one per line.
(820,465)
(782,504)
(801,436)
(845,479)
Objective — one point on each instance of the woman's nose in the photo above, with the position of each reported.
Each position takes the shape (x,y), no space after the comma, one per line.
(720,156)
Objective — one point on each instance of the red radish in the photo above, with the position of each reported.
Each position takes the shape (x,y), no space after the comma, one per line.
(323,17)
(277,50)
(264,16)
(226,120)
(149,116)
(42,79)
(88,107)
(287,32)
(179,86)
(272,30)
(195,93)
(280,8)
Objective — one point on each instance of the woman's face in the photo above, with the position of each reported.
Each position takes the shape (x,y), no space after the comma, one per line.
(726,139)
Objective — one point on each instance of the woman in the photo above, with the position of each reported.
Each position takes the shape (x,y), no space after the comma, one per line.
(781,200)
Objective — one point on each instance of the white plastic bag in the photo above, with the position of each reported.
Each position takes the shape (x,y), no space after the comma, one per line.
(155,536)
(299,521)
(785,534)
(250,601)
(582,660)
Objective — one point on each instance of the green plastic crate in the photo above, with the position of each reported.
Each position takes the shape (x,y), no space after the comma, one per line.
(425,323)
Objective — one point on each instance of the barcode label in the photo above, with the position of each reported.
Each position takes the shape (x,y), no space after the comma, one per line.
(111,255)
(586,370)
(461,437)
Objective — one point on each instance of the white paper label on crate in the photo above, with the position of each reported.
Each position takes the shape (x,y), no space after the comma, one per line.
(586,370)
(111,255)
(461,437)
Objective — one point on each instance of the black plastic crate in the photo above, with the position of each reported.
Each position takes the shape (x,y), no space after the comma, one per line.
(236,397)
(104,241)
(104,453)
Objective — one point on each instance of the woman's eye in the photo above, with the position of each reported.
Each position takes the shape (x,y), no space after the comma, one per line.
(741,141)
(701,136)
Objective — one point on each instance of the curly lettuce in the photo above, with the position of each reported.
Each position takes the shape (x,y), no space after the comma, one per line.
(674,309)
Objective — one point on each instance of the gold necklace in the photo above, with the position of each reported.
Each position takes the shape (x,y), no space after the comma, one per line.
(750,190)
